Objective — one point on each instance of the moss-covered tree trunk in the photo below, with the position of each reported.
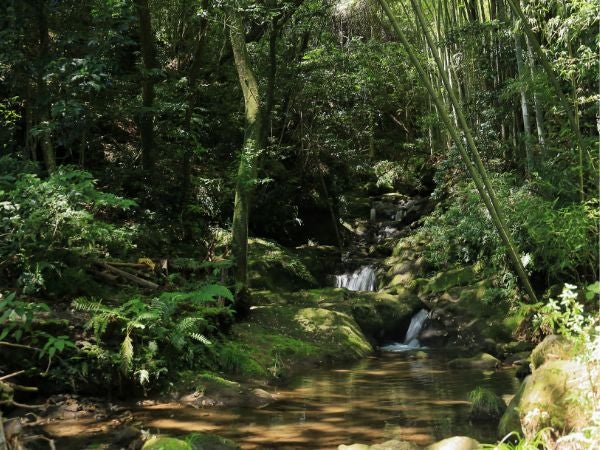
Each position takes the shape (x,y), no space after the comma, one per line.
(248,160)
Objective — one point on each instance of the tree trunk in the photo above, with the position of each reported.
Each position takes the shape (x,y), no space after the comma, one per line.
(47,148)
(570,111)
(192,98)
(539,113)
(248,161)
(524,106)
(146,117)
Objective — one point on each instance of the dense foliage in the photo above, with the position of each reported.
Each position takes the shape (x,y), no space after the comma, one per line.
(156,135)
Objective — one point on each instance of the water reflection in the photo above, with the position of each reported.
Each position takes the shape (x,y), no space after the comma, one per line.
(382,398)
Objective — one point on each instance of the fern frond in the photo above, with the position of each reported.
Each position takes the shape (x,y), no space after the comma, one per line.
(200,337)
(163,306)
(188,324)
(126,354)
(88,305)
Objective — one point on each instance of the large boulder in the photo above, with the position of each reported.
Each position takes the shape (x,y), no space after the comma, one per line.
(273,267)
(554,399)
(510,421)
(209,441)
(553,347)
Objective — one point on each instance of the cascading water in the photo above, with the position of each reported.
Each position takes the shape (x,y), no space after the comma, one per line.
(411,340)
(362,279)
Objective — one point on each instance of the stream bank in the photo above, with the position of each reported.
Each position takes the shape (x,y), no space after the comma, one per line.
(297,326)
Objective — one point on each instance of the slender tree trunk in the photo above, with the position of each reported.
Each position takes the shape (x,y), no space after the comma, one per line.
(146,117)
(571,114)
(539,113)
(524,106)
(476,171)
(192,99)
(248,160)
(43,95)
(334,220)
(271,78)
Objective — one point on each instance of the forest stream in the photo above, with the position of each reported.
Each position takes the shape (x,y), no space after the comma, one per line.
(393,395)
(405,392)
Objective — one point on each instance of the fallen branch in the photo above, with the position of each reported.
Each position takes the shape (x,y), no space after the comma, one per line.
(10,375)
(126,264)
(129,276)
(106,276)
(22,405)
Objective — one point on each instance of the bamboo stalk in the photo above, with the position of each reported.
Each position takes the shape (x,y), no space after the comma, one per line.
(571,115)
(478,175)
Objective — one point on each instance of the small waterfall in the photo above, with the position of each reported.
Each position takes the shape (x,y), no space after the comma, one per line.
(416,324)
(411,340)
(362,279)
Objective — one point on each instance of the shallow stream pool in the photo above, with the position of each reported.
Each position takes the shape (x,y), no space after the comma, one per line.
(387,397)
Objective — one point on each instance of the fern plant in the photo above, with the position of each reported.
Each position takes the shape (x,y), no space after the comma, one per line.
(142,338)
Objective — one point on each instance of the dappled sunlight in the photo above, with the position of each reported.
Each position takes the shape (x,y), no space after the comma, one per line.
(392,397)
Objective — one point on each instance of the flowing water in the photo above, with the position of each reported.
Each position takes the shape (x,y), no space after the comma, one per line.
(362,279)
(411,341)
(380,398)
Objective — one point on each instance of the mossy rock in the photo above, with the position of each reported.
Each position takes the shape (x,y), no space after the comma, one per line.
(510,421)
(209,441)
(455,443)
(166,443)
(443,281)
(552,390)
(337,329)
(383,315)
(485,405)
(553,347)
(323,260)
(274,267)
(277,338)
(483,361)
(468,315)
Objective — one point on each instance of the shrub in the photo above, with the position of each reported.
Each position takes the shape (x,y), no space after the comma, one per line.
(50,225)
(557,242)
(141,339)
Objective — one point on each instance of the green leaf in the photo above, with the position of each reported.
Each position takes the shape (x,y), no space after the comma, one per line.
(211,291)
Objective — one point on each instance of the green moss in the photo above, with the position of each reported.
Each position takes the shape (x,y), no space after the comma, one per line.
(485,405)
(553,389)
(210,378)
(209,441)
(336,330)
(274,267)
(510,421)
(166,443)
(551,348)
(443,281)
(480,361)
(235,358)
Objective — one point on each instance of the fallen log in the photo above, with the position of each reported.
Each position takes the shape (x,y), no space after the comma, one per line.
(129,276)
